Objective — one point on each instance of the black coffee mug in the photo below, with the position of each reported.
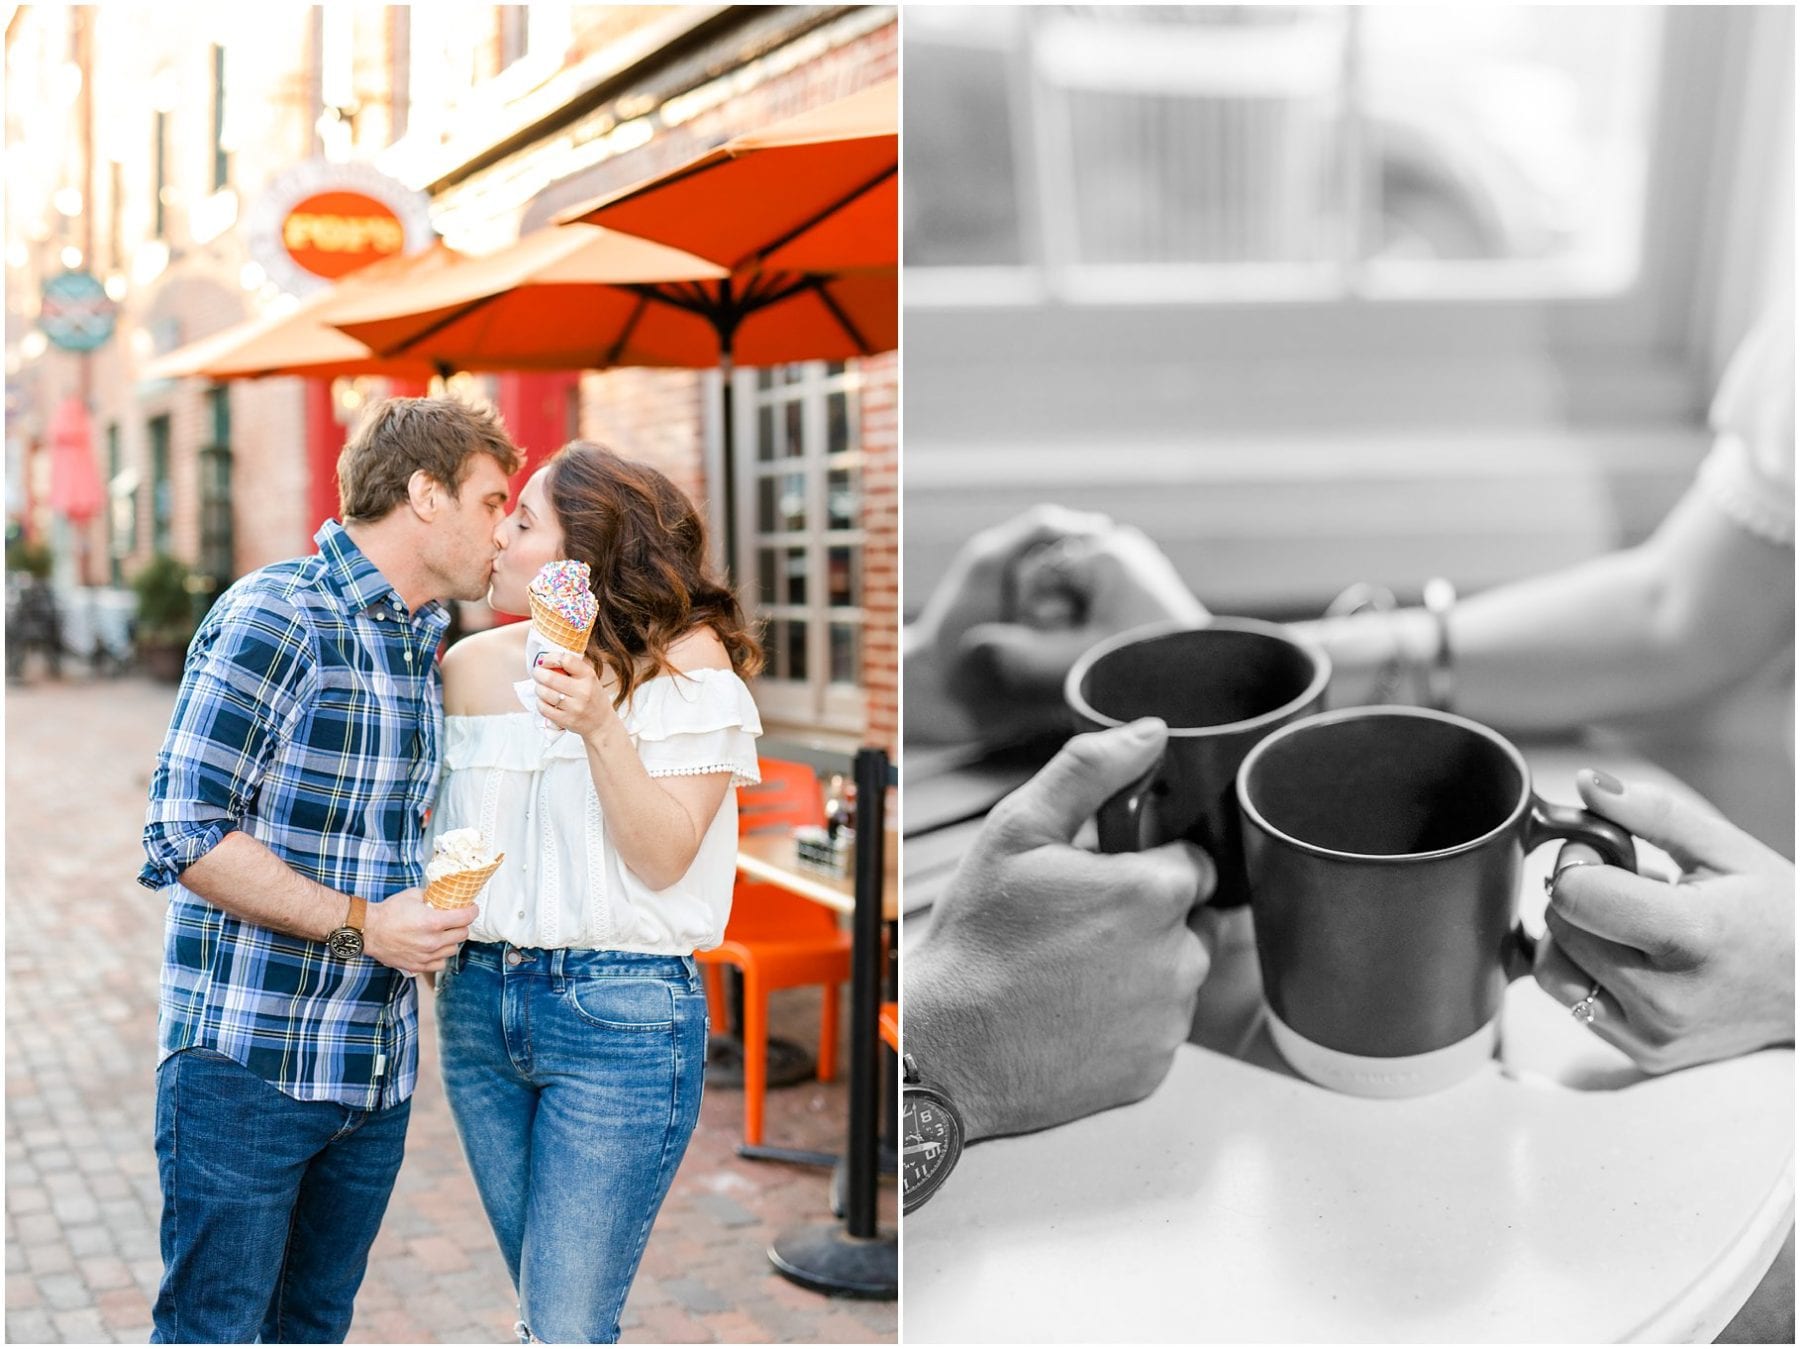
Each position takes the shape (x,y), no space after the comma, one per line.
(1383,847)
(1220,687)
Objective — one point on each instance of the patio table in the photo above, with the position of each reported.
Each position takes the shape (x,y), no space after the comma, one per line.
(1559,1194)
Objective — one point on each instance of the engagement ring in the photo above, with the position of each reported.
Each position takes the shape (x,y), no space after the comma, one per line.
(1583,1011)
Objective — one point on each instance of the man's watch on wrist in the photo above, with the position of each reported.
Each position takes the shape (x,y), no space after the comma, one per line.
(931,1136)
(346,942)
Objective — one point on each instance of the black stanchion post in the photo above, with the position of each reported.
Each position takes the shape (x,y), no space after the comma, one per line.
(856,1259)
(865,978)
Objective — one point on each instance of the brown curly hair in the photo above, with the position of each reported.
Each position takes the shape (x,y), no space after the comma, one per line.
(645,543)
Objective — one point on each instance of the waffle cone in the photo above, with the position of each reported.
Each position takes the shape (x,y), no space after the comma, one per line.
(459,888)
(558,629)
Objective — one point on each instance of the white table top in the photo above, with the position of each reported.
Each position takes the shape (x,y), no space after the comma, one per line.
(1559,1194)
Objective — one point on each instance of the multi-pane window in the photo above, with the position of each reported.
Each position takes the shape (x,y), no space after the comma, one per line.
(216,537)
(800,536)
(221,158)
(159,152)
(1112,153)
(122,499)
(162,491)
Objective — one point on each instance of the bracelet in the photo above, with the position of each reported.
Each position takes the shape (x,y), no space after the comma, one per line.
(1440,673)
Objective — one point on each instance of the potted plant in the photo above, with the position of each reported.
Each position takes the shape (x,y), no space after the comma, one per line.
(165,616)
(33,559)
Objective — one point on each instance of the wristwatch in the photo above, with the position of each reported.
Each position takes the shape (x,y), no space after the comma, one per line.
(931,1137)
(346,942)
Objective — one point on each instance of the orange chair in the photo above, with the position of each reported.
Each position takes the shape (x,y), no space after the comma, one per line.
(776,939)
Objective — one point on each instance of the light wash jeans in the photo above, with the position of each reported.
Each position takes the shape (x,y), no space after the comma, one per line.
(270,1204)
(574,1077)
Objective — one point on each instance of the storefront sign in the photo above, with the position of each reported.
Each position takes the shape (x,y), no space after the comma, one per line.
(320,221)
(334,233)
(77,314)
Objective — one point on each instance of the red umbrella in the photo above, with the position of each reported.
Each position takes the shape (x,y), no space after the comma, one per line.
(558,299)
(816,193)
(75,489)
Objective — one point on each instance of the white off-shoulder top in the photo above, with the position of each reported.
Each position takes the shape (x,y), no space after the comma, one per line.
(1750,473)
(531,793)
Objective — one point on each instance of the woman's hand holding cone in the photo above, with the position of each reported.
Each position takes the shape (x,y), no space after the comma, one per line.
(571,694)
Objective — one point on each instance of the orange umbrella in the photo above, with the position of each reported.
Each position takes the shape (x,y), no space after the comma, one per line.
(581,297)
(815,193)
(299,341)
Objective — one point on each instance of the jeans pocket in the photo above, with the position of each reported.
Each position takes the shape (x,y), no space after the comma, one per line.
(623,1004)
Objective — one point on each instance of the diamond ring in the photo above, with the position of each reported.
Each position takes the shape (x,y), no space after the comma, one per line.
(1583,1011)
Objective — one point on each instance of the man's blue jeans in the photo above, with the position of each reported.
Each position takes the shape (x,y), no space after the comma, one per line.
(270,1204)
(574,1077)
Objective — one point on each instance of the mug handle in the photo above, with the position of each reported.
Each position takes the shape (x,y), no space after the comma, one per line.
(1127,819)
(1571,824)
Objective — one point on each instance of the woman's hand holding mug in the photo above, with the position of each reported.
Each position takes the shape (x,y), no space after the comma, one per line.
(1688,972)
(1020,602)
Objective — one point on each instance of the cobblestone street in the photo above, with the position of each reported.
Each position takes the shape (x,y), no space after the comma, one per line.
(82,955)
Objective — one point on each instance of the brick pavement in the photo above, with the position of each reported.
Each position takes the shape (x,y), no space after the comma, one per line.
(82,952)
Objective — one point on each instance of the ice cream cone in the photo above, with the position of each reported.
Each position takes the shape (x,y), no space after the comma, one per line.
(558,629)
(460,887)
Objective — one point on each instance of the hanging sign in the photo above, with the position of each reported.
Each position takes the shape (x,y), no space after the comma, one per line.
(76,313)
(320,221)
(333,233)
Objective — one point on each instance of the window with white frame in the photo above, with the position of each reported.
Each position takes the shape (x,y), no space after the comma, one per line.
(1128,153)
(800,537)
(1223,270)
(1258,218)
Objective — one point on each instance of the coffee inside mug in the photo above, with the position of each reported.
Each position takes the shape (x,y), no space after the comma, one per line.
(1386,786)
(1201,677)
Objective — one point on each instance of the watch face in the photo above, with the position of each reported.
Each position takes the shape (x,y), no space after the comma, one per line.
(345,943)
(933,1140)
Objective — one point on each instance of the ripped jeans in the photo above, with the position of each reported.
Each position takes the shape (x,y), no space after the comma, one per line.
(574,1077)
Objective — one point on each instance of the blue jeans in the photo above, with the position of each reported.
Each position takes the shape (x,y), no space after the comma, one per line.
(270,1204)
(574,1077)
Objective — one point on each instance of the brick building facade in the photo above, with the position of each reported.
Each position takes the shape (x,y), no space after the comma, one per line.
(498,117)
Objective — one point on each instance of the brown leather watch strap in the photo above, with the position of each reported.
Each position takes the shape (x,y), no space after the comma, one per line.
(359,910)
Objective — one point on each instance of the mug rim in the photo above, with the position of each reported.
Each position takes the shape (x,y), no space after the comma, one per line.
(1077,701)
(1488,733)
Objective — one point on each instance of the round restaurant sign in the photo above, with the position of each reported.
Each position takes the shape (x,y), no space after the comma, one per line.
(76,314)
(319,221)
(334,233)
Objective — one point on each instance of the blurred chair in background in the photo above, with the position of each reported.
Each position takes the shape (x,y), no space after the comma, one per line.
(776,939)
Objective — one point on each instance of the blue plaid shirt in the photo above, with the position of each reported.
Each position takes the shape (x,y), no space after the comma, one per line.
(309,716)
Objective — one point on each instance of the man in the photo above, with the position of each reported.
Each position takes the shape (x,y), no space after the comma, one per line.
(287,811)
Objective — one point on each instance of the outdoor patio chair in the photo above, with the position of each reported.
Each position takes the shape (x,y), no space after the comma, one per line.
(776,939)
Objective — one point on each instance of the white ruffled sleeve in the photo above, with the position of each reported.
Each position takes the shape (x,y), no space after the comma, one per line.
(1750,473)
(704,721)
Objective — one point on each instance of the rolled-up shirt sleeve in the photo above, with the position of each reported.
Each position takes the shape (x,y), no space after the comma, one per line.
(248,676)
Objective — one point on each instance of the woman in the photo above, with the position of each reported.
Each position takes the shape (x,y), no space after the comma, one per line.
(573,1023)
